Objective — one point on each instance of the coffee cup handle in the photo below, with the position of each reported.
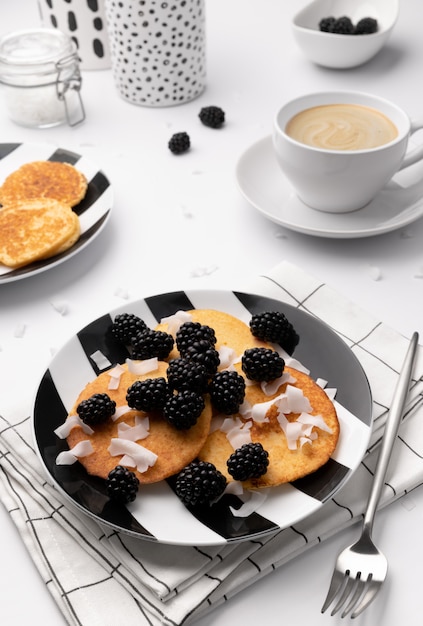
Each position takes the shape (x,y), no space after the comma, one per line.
(415,154)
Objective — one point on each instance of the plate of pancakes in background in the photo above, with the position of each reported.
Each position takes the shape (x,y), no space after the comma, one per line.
(53,203)
(92,357)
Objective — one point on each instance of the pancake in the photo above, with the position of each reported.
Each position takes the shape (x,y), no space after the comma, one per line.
(229,330)
(35,229)
(285,464)
(44,179)
(174,448)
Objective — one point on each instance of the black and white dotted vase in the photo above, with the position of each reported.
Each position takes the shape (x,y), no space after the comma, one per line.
(85,22)
(157,50)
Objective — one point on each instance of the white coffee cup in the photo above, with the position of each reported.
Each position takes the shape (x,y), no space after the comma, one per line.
(342,180)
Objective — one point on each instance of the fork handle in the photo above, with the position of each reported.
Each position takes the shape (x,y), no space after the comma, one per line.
(391,431)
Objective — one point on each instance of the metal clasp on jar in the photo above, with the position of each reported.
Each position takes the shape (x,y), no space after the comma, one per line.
(68,89)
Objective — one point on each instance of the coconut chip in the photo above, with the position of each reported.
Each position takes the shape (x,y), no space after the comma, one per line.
(69,457)
(134,455)
(73,420)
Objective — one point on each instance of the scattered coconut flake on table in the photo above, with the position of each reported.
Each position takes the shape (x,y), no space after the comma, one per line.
(120,292)
(100,360)
(199,272)
(19,331)
(69,457)
(374,272)
(61,306)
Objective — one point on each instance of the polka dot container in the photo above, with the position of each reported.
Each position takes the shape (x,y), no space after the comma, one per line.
(84,21)
(157,50)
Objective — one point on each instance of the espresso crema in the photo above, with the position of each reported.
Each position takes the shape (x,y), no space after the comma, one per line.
(342,127)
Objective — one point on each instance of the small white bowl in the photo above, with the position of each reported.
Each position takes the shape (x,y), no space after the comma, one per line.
(343,51)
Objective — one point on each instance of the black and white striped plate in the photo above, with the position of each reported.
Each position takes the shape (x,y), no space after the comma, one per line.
(157,514)
(93,210)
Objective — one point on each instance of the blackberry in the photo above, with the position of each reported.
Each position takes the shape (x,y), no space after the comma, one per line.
(126,326)
(273,326)
(151,343)
(179,143)
(199,482)
(227,391)
(343,26)
(326,24)
(248,461)
(148,395)
(122,484)
(183,409)
(193,331)
(203,353)
(97,409)
(185,374)
(366,26)
(262,364)
(212,116)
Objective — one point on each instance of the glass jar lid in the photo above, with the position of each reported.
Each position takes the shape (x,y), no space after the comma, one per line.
(34,51)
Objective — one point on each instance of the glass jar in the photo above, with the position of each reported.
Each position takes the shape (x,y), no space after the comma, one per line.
(40,78)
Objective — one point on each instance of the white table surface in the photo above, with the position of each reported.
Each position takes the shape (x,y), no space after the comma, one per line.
(181,222)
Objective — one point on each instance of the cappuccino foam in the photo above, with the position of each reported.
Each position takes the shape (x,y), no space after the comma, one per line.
(342,127)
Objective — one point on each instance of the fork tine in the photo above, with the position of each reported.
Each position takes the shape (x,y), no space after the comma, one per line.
(336,583)
(359,590)
(349,587)
(369,595)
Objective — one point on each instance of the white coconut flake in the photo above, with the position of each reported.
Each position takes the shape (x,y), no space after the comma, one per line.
(254,502)
(61,306)
(227,357)
(234,488)
(246,410)
(175,321)
(73,420)
(121,410)
(314,420)
(121,292)
(100,360)
(271,387)
(331,393)
(19,331)
(142,367)
(69,457)
(237,433)
(135,455)
(216,423)
(374,272)
(141,430)
(321,382)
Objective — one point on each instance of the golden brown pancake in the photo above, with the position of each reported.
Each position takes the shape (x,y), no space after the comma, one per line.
(174,448)
(229,330)
(285,465)
(35,229)
(44,179)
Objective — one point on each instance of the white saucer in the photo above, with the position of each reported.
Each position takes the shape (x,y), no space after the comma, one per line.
(263,185)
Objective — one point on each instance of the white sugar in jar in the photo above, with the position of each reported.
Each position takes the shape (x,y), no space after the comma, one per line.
(40,78)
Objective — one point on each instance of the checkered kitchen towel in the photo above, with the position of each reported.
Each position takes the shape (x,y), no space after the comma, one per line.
(96,574)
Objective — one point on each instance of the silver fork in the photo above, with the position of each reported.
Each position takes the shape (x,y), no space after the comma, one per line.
(361,569)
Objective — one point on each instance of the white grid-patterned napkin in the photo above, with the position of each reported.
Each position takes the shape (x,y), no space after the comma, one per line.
(96,575)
